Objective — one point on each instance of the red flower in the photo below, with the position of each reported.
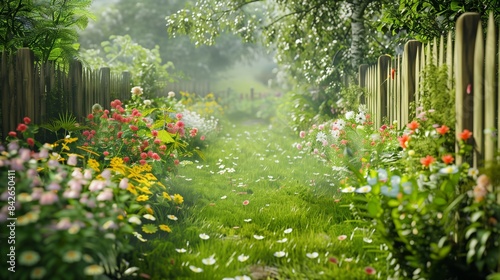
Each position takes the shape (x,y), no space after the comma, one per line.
(403,141)
(246,202)
(119,134)
(413,125)
(126,159)
(154,133)
(176,162)
(155,156)
(105,153)
(163,147)
(133,127)
(202,137)
(144,155)
(333,260)
(21,127)
(30,141)
(426,161)
(370,270)
(142,161)
(157,141)
(393,73)
(12,134)
(383,127)
(26,120)
(447,159)
(90,116)
(179,124)
(443,129)
(465,135)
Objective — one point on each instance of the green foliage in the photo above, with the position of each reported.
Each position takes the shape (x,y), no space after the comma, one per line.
(121,53)
(48,28)
(425,20)
(66,122)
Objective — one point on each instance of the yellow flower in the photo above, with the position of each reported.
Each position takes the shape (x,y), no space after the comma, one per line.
(166,196)
(149,228)
(161,185)
(178,199)
(149,210)
(93,164)
(165,228)
(150,176)
(70,140)
(147,167)
(144,190)
(131,189)
(116,161)
(142,198)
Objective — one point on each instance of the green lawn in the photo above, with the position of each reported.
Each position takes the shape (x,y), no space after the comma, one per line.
(291,211)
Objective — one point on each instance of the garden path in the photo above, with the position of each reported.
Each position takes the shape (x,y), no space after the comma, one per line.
(256,206)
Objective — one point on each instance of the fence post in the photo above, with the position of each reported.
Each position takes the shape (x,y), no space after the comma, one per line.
(80,106)
(478,122)
(105,82)
(362,72)
(383,68)
(489,90)
(125,88)
(466,29)
(411,51)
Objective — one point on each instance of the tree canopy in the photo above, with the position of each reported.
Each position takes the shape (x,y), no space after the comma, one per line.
(48,28)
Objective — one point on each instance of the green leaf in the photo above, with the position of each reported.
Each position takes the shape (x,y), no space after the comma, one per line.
(165,136)
(393,203)
(474,217)
(440,201)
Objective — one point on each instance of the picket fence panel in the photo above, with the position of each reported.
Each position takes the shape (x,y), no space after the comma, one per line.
(473,64)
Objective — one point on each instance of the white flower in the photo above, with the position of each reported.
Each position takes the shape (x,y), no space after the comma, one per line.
(279,254)
(258,237)
(321,136)
(149,217)
(181,250)
(452,169)
(247,220)
(360,118)
(136,91)
(244,277)
(349,115)
(335,133)
(195,269)
(282,240)
(367,240)
(204,236)
(288,230)
(171,94)
(147,102)
(242,258)
(312,255)
(364,189)
(223,197)
(134,220)
(209,261)
(172,217)
(348,190)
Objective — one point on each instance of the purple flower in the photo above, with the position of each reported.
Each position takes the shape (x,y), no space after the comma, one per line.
(75,185)
(17,164)
(106,174)
(53,186)
(53,163)
(64,223)
(37,193)
(71,194)
(25,154)
(44,153)
(96,185)
(13,147)
(87,174)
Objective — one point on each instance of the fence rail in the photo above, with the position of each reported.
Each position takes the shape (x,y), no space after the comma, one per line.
(43,90)
(393,83)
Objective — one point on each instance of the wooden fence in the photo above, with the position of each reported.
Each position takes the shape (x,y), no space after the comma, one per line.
(472,61)
(43,90)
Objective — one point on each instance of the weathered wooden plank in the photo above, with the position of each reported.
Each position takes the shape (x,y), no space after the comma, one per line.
(410,78)
(477,93)
(383,65)
(466,29)
(490,84)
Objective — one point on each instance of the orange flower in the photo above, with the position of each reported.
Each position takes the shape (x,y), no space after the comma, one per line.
(447,159)
(426,161)
(466,134)
(413,125)
(443,129)
(403,141)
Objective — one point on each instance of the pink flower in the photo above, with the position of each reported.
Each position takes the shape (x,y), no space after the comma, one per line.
(202,137)
(179,124)
(342,237)
(154,133)
(123,184)
(133,127)
(299,147)
(90,116)
(12,134)
(26,120)
(193,132)
(246,202)
(48,198)
(105,153)
(72,160)
(302,134)
(107,194)
(178,116)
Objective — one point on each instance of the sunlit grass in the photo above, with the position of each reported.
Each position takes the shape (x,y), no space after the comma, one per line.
(257,198)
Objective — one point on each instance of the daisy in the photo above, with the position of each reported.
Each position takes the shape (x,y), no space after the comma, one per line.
(149,217)
(204,236)
(312,255)
(258,237)
(282,240)
(288,230)
(242,258)
(172,217)
(279,254)
(209,261)
(342,237)
(181,250)
(195,269)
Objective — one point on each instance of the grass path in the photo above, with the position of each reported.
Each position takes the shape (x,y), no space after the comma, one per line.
(291,228)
